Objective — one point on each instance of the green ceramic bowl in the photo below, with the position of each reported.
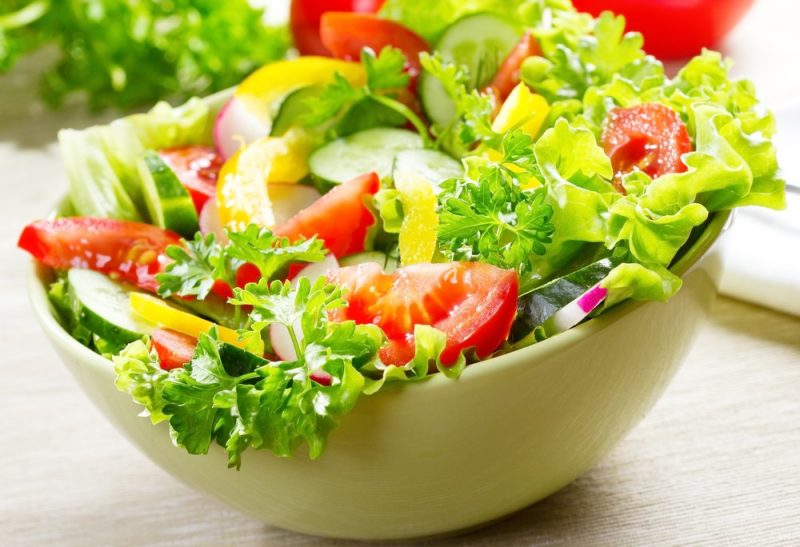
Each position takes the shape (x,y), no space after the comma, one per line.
(442,456)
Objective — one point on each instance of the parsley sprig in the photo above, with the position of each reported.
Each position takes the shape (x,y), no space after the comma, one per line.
(493,218)
(386,79)
(197,264)
(472,122)
(246,402)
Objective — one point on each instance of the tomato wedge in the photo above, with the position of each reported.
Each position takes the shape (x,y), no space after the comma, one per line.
(648,137)
(507,76)
(346,34)
(197,167)
(174,348)
(125,250)
(340,218)
(472,303)
(305,17)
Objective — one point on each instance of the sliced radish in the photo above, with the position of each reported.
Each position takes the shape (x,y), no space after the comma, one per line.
(315,270)
(236,126)
(279,335)
(574,312)
(281,341)
(210,222)
(288,199)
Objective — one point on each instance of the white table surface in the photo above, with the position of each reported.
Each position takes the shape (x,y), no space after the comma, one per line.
(716,462)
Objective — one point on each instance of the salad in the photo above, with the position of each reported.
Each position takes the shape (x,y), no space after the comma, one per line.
(451,183)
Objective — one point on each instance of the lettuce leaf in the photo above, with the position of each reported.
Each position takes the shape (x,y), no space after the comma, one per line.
(576,174)
(101,161)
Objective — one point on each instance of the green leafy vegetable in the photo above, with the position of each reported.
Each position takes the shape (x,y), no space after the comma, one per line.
(472,122)
(101,161)
(197,264)
(125,53)
(492,218)
(373,105)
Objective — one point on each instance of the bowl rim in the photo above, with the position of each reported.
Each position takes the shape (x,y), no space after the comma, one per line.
(501,364)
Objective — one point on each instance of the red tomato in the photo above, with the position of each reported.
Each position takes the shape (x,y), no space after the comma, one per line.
(306,14)
(125,250)
(346,34)
(674,29)
(507,76)
(197,167)
(649,137)
(339,218)
(472,303)
(174,349)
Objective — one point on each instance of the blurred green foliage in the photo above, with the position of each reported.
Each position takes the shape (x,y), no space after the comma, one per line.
(127,53)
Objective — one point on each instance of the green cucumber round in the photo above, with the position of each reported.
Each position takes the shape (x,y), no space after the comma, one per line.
(292,108)
(429,164)
(480,42)
(372,150)
(103,307)
(168,202)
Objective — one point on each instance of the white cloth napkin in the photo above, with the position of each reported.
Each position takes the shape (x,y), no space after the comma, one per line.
(762,251)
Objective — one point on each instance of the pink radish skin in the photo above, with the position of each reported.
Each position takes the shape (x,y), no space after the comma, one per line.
(279,335)
(574,312)
(236,126)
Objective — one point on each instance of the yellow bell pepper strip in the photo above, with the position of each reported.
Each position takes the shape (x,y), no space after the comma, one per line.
(263,90)
(163,314)
(417,238)
(527,111)
(242,194)
(522,107)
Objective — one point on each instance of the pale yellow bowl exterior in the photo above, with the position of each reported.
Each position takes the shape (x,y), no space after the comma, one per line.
(444,455)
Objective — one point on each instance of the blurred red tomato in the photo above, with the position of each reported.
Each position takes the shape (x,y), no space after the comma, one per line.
(346,34)
(305,18)
(674,29)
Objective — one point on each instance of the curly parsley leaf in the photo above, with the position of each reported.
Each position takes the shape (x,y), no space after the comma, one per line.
(493,218)
(473,110)
(301,400)
(372,105)
(197,264)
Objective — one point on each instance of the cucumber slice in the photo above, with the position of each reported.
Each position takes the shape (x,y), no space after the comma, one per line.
(434,166)
(480,42)
(168,202)
(535,308)
(363,152)
(103,307)
(388,263)
(292,107)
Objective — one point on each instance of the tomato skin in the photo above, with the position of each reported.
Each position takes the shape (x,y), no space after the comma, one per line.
(305,18)
(339,218)
(124,250)
(346,34)
(672,29)
(174,349)
(472,303)
(197,167)
(649,137)
(507,76)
